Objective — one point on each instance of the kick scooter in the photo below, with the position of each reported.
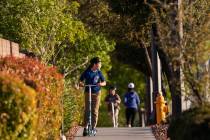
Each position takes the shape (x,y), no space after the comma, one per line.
(113,115)
(90,131)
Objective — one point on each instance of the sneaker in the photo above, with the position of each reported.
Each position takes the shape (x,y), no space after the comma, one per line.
(94,131)
(85,132)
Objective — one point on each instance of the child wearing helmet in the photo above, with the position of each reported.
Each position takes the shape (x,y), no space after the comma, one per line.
(113,105)
(131,102)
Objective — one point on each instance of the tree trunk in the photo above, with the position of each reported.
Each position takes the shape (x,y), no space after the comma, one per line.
(173,77)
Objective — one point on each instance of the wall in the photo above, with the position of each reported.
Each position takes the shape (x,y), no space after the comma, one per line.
(9,48)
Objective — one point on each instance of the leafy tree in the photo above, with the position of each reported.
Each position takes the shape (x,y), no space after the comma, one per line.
(196,48)
(51,30)
(40,26)
(119,19)
(190,51)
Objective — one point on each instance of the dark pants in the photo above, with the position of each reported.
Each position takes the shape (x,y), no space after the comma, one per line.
(130,116)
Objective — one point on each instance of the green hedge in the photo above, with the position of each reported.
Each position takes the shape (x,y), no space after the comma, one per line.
(17,109)
(193,124)
(73,108)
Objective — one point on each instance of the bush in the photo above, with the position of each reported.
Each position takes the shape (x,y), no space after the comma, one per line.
(17,109)
(193,124)
(73,108)
(48,83)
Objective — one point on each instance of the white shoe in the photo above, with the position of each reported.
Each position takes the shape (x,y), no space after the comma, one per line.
(63,137)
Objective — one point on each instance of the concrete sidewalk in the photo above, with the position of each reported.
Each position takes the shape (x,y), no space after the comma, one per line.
(121,133)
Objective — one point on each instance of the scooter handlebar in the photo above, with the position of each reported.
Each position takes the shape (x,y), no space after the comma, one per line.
(90,85)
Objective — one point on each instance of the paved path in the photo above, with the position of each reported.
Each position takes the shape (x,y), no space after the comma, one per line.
(122,133)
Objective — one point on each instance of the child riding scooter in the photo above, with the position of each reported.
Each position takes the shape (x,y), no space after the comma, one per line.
(92,78)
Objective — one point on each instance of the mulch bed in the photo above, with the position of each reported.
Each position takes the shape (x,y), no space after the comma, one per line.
(72,132)
(160,131)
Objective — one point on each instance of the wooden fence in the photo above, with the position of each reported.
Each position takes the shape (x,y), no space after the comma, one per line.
(9,48)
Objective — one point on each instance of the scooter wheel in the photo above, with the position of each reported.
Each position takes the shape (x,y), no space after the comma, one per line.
(89,131)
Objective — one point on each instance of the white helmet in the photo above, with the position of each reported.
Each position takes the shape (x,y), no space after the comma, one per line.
(131,85)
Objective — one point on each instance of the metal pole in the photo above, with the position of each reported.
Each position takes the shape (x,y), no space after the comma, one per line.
(149,100)
(113,115)
(63,137)
(142,118)
(90,100)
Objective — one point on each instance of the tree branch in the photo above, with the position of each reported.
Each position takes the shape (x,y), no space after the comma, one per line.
(75,68)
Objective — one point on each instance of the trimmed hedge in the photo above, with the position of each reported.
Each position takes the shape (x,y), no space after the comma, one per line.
(193,124)
(17,109)
(48,84)
(73,108)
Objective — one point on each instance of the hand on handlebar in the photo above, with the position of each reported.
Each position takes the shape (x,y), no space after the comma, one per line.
(81,84)
(99,84)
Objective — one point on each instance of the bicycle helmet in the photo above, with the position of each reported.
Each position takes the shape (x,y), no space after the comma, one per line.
(131,85)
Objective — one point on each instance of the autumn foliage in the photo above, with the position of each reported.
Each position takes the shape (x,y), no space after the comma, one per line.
(48,84)
(18,117)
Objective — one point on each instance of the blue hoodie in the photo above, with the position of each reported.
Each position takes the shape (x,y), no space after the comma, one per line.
(131,100)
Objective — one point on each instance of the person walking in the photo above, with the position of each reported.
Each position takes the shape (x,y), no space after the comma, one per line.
(131,102)
(92,76)
(113,105)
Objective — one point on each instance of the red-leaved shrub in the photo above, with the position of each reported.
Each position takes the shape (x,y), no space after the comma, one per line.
(48,84)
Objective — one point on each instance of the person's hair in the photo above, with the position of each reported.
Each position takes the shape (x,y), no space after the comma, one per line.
(112,88)
(93,61)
